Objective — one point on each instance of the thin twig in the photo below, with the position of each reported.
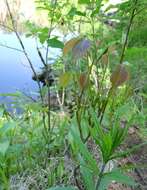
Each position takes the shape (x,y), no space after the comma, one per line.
(48,69)
(83,90)
(22,45)
(13,48)
(138,12)
(6,27)
(26,55)
(40,54)
(75,177)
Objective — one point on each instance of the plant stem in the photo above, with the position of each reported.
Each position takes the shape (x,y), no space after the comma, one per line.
(128,31)
(121,59)
(48,69)
(105,104)
(75,172)
(100,177)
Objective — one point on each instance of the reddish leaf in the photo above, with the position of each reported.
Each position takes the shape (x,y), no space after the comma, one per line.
(98,43)
(119,76)
(105,59)
(83,81)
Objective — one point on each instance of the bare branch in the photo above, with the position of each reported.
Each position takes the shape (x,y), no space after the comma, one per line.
(22,46)
(9,47)
(27,57)
(6,27)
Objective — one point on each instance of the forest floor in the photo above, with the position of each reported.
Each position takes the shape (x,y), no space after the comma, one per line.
(138,158)
(36,180)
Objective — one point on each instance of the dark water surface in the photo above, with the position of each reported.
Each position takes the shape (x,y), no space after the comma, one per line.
(15,72)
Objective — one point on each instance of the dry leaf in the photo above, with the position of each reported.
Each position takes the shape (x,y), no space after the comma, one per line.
(83,81)
(70,44)
(81,48)
(105,59)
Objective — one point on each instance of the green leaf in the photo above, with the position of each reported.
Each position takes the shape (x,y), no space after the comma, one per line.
(115,175)
(107,147)
(44,90)
(3,147)
(128,151)
(90,161)
(61,188)
(55,43)
(79,13)
(1,112)
(32,28)
(43,34)
(28,35)
(104,140)
(96,11)
(65,79)
(95,119)
(111,6)
(87,176)
(84,1)
(42,38)
(143,95)
(7,126)
(16,94)
(73,11)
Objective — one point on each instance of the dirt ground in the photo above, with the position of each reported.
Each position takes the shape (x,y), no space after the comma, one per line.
(139,158)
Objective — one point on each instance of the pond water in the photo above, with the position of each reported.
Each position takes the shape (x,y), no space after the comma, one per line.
(15,72)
